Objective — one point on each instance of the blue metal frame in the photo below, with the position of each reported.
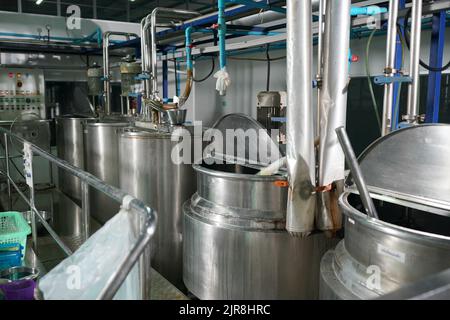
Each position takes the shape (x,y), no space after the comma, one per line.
(258,5)
(436,57)
(165,72)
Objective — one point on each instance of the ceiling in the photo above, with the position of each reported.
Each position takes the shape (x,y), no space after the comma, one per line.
(118,10)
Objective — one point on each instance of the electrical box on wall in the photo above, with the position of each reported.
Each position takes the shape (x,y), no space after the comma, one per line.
(22,94)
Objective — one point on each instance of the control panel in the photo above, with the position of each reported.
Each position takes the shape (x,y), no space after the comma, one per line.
(22,94)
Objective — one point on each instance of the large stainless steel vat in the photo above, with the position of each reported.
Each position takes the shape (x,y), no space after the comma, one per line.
(235,242)
(102,160)
(70,147)
(408,174)
(148,173)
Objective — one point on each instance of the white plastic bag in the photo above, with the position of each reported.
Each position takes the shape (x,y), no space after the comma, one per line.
(223,80)
(84,274)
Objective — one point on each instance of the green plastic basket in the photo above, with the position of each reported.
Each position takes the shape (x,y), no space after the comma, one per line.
(14,229)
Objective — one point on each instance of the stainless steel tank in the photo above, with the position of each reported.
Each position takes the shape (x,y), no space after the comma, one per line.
(129,70)
(95,82)
(408,175)
(70,147)
(102,160)
(148,173)
(235,245)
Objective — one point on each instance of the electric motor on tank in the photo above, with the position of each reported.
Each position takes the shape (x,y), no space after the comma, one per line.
(271,112)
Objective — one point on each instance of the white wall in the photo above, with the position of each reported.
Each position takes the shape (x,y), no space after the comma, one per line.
(248,78)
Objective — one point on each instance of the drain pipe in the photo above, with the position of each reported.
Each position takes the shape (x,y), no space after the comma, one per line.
(390,71)
(300,129)
(106,73)
(414,68)
(333,109)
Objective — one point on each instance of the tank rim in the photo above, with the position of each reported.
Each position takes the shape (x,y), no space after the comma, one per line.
(144,134)
(108,124)
(389,228)
(74,117)
(238,176)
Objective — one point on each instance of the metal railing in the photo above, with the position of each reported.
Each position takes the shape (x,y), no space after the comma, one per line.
(146,217)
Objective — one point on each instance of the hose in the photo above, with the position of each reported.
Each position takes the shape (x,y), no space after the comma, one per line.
(213,67)
(369,80)
(187,89)
(407,40)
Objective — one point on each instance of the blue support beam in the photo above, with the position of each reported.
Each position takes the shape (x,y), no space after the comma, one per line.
(436,57)
(165,71)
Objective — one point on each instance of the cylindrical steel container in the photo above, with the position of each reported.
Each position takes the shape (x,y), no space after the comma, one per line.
(148,172)
(235,242)
(102,160)
(379,256)
(95,83)
(128,73)
(70,147)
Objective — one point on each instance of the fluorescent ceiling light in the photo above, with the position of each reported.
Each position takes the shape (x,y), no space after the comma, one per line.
(38,2)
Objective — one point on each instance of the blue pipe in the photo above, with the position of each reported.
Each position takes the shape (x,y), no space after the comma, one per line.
(222,33)
(367,11)
(259,5)
(188,34)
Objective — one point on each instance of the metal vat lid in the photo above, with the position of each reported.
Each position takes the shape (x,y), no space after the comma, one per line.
(411,165)
(235,121)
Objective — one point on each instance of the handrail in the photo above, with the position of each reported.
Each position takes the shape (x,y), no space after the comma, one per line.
(146,217)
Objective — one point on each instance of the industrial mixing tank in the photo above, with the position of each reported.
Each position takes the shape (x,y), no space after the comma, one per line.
(102,160)
(148,172)
(407,173)
(70,147)
(235,245)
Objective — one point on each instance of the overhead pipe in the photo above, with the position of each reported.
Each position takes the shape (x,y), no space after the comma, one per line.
(148,44)
(106,72)
(189,63)
(300,130)
(391,48)
(414,67)
(223,78)
(177,13)
(333,109)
